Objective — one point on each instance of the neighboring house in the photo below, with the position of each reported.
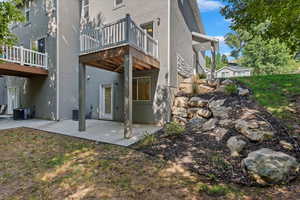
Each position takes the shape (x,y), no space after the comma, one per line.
(162,46)
(233,71)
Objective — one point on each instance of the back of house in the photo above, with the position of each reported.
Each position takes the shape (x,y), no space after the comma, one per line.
(57,29)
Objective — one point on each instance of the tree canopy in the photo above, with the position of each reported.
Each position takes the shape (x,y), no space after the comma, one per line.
(9,13)
(282,16)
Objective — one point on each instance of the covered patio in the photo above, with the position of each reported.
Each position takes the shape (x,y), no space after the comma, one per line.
(97,130)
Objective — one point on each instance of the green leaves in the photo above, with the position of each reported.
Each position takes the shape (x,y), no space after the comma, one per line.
(283,17)
(266,56)
(9,13)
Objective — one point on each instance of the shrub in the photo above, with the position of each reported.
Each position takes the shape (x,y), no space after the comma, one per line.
(174,128)
(213,190)
(231,89)
(149,139)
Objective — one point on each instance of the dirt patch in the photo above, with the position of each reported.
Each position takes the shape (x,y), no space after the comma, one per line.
(40,165)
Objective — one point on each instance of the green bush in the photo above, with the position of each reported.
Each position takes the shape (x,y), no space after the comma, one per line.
(174,128)
(231,89)
(148,140)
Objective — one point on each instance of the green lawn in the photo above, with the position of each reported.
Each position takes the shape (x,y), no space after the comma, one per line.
(278,94)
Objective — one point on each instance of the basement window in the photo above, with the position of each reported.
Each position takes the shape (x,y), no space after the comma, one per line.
(141,89)
(86,8)
(118,3)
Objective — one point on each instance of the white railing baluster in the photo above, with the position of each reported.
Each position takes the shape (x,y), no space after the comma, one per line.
(23,56)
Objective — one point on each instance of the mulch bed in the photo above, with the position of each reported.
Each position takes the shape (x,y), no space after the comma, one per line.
(203,154)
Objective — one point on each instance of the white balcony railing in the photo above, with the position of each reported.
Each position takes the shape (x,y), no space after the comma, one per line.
(24,56)
(121,32)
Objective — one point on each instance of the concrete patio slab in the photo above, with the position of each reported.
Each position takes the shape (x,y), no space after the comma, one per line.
(97,130)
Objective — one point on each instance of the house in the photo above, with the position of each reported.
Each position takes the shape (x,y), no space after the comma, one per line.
(233,71)
(118,60)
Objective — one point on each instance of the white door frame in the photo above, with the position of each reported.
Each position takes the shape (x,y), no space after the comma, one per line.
(102,114)
(10,107)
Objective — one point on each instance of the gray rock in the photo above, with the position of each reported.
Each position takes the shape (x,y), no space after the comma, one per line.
(180,112)
(227,82)
(225,122)
(180,120)
(266,166)
(198,102)
(192,112)
(253,130)
(196,123)
(236,144)
(286,145)
(221,112)
(243,92)
(217,103)
(210,124)
(221,88)
(181,102)
(220,133)
(204,113)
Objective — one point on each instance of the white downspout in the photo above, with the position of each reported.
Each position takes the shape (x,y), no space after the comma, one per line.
(57,63)
(169,43)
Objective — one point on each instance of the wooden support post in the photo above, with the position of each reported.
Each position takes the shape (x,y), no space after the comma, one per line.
(213,56)
(82,97)
(128,64)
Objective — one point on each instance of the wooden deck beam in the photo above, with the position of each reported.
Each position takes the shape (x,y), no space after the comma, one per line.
(113,59)
(12,69)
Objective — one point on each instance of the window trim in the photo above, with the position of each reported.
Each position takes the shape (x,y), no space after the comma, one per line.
(118,5)
(137,88)
(86,6)
(27,10)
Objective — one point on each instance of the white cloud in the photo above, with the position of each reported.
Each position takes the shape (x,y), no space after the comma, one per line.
(220,38)
(209,5)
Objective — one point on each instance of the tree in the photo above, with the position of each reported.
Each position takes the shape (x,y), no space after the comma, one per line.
(224,59)
(282,16)
(266,56)
(9,13)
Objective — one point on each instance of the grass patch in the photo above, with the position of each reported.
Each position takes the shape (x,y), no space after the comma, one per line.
(174,129)
(231,89)
(148,140)
(276,93)
(215,190)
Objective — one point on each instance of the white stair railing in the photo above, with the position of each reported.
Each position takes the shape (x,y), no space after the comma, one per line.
(23,56)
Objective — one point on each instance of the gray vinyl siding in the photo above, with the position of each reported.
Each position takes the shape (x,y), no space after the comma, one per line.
(141,12)
(69,21)
(3,91)
(181,39)
(37,93)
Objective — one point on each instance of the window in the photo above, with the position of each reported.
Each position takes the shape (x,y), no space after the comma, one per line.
(39,45)
(148,27)
(86,8)
(27,10)
(118,3)
(141,89)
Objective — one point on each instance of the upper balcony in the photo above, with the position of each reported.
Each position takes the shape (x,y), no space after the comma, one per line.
(104,47)
(19,61)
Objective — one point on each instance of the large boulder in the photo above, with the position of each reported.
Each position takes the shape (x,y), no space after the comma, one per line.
(236,144)
(256,131)
(181,102)
(266,166)
(198,102)
(219,110)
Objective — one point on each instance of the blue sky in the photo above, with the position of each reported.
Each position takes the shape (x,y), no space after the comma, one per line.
(214,23)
